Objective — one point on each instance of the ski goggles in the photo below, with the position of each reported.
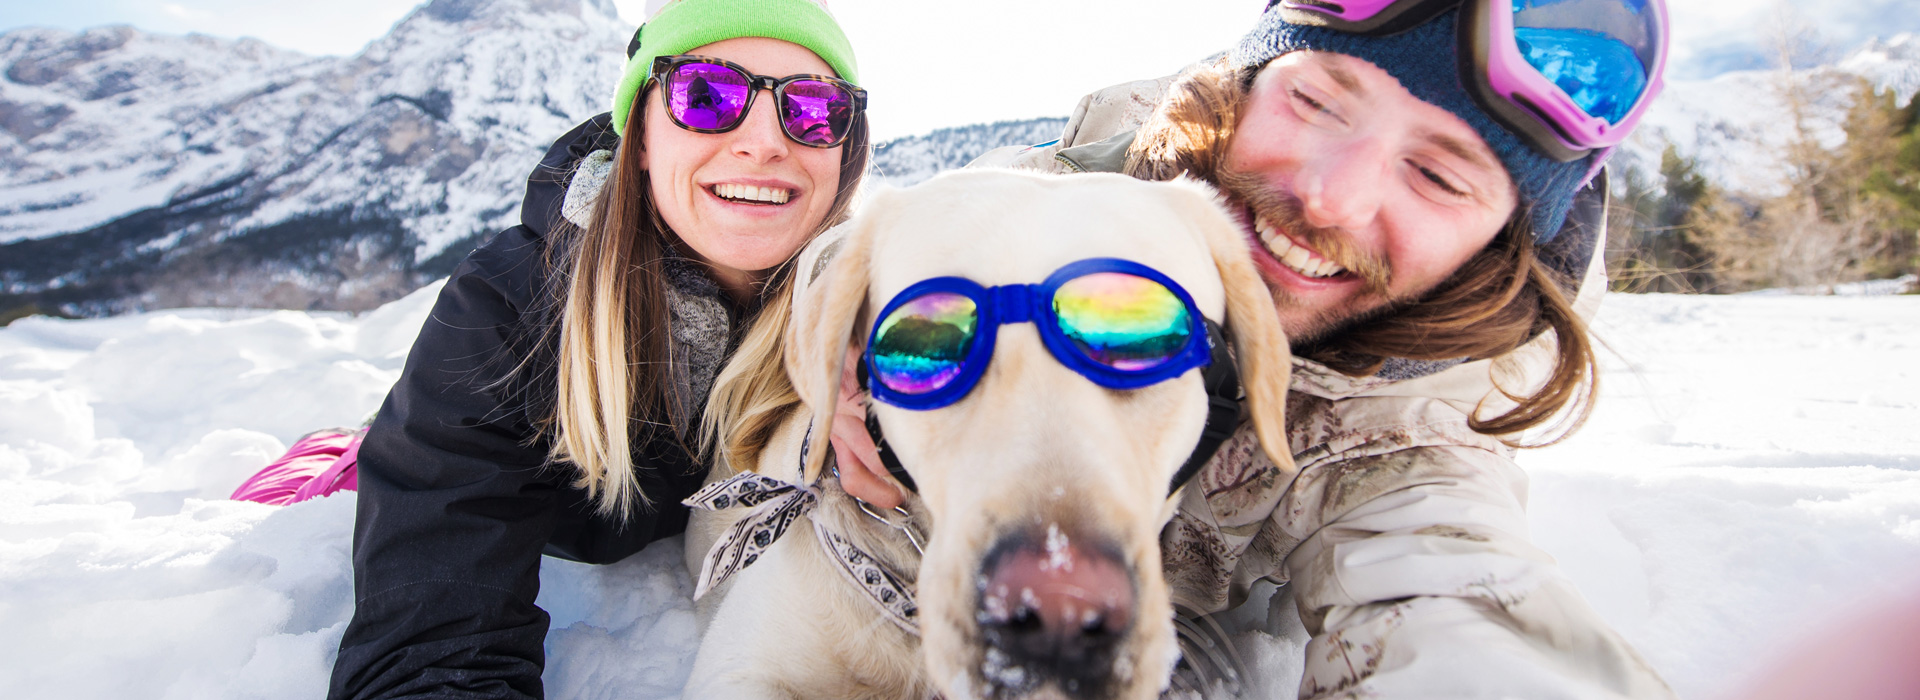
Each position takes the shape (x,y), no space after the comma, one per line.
(712,96)
(1121,324)
(1568,76)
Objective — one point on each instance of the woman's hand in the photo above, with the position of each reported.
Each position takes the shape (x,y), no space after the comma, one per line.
(861,473)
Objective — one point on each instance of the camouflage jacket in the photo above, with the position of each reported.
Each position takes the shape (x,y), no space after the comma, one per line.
(1404,534)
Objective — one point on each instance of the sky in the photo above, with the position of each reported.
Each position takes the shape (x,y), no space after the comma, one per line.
(1037,56)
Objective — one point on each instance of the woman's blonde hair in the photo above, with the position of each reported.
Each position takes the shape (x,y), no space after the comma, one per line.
(616,383)
(752,393)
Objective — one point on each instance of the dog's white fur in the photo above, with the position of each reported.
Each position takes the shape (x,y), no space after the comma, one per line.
(1033,444)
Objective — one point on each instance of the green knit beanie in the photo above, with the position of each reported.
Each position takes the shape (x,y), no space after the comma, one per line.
(688,24)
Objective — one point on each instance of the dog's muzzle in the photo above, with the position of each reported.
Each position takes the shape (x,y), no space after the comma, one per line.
(1053,608)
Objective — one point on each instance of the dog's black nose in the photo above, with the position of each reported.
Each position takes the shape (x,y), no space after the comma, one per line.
(1052,610)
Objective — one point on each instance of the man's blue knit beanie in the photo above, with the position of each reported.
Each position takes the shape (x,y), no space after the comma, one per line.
(1424,59)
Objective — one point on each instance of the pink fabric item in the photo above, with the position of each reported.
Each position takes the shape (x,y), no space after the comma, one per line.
(317,465)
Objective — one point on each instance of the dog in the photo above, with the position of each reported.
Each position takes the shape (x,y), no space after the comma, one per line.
(1026,562)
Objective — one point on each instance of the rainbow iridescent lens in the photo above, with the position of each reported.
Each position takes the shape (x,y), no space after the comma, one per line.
(1122,321)
(920,346)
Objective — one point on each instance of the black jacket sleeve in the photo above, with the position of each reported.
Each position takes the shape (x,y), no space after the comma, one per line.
(456,503)
(454,509)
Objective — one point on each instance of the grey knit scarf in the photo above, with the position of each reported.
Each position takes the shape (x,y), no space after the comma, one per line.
(701,323)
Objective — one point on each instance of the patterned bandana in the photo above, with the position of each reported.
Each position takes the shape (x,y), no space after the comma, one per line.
(773,505)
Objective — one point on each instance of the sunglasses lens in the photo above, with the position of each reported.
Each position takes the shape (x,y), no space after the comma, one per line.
(707,96)
(817,113)
(1123,321)
(920,347)
(1596,51)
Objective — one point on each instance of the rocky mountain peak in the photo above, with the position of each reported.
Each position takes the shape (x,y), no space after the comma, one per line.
(1893,63)
(42,57)
(141,170)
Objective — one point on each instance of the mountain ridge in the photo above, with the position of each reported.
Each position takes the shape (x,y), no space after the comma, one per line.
(148,170)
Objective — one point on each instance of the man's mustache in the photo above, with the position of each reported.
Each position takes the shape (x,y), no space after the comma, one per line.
(1287,215)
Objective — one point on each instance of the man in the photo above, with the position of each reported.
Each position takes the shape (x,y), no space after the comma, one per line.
(1422,261)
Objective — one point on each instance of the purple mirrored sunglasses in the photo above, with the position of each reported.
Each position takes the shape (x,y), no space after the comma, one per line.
(712,96)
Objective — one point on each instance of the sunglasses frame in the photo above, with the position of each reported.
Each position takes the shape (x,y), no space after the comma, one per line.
(662,65)
(1022,303)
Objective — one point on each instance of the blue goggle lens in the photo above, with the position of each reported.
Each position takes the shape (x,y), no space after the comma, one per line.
(1123,321)
(919,347)
(1597,51)
(1600,74)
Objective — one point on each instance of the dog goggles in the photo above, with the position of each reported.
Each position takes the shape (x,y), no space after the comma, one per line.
(1121,324)
(1568,76)
(712,96)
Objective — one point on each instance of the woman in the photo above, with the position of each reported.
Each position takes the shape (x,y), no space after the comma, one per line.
(551,399)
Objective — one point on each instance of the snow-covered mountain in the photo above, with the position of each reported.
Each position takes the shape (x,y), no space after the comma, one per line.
(148,171)
(1736,123)
(145,171)
(906,161)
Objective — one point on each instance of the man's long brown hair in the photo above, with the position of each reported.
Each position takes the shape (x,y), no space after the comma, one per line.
(616,355)
(1497,301)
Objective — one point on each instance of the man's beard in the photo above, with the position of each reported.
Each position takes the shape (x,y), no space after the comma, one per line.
(1285,213)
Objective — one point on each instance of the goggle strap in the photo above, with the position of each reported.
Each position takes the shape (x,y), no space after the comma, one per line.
(1593,171)
(887,458)
(1222,380)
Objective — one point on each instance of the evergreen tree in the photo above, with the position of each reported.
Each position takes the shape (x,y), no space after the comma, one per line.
(1893,181)
(1657,244)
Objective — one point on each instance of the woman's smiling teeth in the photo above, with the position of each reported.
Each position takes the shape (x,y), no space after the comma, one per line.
(749,193)
(1296,257)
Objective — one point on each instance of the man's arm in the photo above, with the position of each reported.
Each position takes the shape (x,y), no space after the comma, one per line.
(1416,578)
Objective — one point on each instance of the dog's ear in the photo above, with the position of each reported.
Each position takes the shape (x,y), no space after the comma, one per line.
(1259,345)
(829,294)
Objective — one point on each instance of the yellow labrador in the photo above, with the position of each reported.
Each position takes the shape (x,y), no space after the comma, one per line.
(1039,493)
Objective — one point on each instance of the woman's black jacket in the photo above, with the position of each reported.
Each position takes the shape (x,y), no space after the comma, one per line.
(456,504)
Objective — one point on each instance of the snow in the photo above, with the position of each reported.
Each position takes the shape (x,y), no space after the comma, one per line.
(1752,469)
(1059,550)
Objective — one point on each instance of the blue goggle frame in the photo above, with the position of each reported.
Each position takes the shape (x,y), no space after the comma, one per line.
(1022,303)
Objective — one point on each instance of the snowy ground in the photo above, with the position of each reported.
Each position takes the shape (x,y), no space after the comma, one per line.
(1754,467)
